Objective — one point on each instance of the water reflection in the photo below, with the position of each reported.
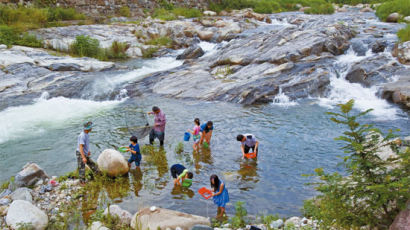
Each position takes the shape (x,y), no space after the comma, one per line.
(204,156)
(181,193)
(248,173)
(136,176)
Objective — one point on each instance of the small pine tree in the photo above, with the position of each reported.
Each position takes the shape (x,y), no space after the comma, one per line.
(374,191)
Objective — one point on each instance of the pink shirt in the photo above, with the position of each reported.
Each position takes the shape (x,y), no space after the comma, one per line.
(197,129)
(161,120)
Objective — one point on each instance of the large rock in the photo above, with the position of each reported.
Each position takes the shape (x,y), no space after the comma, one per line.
(205,35)
(393,17)
(112,163)
(403,52)
(398,91)
(378,46)
(97,225)
(165,218)
(123,215)
(22,212)
(407,19)
(22,194)
(402,220)
(29,175)
(191,53)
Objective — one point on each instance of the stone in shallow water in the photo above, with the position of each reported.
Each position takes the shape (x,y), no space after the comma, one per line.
(112,163)
(123,215)
(191,53)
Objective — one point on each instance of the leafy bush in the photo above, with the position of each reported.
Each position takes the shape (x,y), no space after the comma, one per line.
(165,4)
(12,36)
(238,221)
(149,52)
(160,41)
(125,11)
(30,40)
(320,7)
(267,7)
(404,34)
(374,191)
(8,35)
(87,46)
(400,6)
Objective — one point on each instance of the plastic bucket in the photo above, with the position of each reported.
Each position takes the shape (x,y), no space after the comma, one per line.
(187,136)
(250,155)
(205,144)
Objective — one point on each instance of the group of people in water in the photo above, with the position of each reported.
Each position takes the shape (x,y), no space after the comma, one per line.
(202,134)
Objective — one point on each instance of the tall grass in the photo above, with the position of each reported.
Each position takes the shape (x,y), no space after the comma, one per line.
(85,46)
(172,14)
(400,6)
(273,6)
(404,34)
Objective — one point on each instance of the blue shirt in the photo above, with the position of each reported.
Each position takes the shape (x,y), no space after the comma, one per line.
(135,148)
(205,128)
(83,139)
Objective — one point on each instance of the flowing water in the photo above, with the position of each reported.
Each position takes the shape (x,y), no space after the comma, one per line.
(295,137)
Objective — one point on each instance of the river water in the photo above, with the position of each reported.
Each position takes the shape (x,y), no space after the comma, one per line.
(295,137)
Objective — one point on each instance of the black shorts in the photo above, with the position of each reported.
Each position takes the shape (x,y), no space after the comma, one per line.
(247,148)
(177,169)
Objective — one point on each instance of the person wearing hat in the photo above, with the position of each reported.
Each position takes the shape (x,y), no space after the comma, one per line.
(159,126)
(83,152)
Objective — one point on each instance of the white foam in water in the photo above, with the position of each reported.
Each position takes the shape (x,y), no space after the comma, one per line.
(30,120)
(152,66)
(365,98)
(283,101)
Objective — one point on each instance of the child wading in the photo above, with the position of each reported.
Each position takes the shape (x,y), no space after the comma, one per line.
(181,175)
(83,152)
(134,148)
(195,134)
(220,195)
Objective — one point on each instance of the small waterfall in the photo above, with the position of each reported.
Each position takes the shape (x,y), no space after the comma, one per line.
(365,98)
(283,100)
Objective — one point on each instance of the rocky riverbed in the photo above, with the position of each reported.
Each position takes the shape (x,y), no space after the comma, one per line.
(257,57)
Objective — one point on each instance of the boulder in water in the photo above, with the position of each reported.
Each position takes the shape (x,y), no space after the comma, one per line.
(407,19)
(205,35)
(112,163)
(379,46)
(191,53)
(29,175)
(164,218)
(23,212)
(403,52)
(393,17)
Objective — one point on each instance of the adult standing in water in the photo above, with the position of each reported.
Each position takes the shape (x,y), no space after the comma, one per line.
(83,152)
(159,126)
(206,132)
(248,142)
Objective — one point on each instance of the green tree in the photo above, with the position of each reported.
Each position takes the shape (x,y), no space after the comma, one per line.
(374,191)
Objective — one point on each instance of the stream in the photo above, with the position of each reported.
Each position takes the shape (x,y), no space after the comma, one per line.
(296,136)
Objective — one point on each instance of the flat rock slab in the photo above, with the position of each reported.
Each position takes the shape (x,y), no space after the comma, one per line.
(165,218)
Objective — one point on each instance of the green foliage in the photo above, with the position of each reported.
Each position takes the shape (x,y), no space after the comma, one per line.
(165,4)
(400,6)
(160,41)
(320,7)
(374,191)
(238,221)
(117,50)
(87,46)
(164,14)
(125,11)
(268,219)
(12,36)
(172,14)
(179,148)
(62,14)
(404,34)
(272,6)
(355,2)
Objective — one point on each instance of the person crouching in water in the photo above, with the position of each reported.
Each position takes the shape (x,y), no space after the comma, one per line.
(248,142)
(220,195)
(181,175)
(134,149)
(195,134)
(206,132)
